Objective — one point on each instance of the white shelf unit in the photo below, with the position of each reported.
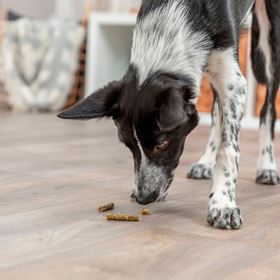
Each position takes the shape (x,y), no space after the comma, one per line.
(109,46)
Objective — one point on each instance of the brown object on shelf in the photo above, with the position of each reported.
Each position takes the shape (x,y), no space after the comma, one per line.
(205,100)
(261,93)
(123,218)
(146,212)
(106,207)
(243,51)
(78,87)
(134,10)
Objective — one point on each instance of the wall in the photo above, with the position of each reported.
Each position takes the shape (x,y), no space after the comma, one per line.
(33,8)
(71,9)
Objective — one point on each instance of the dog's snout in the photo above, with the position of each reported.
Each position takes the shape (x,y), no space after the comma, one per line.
(145,199)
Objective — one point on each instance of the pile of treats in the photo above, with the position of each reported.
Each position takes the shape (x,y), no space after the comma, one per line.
(121,218)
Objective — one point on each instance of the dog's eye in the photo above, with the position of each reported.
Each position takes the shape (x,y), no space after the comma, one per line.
(162,146)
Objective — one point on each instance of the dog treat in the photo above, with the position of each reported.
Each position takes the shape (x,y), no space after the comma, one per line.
(146,212)
(106,207)
(123,218)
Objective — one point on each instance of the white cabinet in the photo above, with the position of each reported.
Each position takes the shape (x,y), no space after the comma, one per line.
(109,47)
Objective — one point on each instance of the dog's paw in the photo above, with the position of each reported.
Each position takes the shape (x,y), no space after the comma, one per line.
(225,218)
(200,171)
(268,177)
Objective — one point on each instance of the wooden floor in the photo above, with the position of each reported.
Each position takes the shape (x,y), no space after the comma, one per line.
(53,175)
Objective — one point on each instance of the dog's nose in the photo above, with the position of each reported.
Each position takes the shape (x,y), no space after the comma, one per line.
(145,199)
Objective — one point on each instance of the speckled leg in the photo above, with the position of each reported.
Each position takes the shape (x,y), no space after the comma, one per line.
(267,173)
(203,169)
(266,65)
(225,74)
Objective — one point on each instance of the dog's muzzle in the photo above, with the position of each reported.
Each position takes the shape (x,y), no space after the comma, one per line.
(145,199)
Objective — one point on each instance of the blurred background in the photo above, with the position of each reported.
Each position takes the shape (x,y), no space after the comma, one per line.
(53,53)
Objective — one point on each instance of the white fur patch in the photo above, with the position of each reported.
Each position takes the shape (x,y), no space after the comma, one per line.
(150,175)
(264,35)
(209,157)
(225,75)
(165,41)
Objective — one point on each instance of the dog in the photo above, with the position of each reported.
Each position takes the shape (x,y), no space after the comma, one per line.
(154,104)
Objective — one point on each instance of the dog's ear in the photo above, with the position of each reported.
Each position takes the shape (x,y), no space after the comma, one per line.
(102,103)
(174,110)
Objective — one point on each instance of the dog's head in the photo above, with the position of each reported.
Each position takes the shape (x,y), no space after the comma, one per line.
(153,122)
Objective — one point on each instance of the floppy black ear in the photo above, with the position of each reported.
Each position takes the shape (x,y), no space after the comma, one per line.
(102,103)
(174,110)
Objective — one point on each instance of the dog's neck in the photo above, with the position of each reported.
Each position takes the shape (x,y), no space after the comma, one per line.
(164,41)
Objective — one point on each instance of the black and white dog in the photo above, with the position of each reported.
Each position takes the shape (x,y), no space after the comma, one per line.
(154,105)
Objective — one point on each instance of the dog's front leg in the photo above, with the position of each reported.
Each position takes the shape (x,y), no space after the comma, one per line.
(225,75)
(203,169)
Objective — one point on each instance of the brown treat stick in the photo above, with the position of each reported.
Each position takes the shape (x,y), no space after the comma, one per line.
(123,218)
(106,207)
(146,212)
